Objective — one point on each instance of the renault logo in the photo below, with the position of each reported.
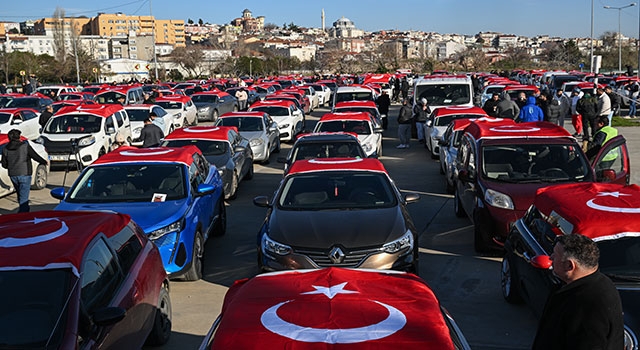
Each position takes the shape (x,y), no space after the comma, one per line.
(336,255)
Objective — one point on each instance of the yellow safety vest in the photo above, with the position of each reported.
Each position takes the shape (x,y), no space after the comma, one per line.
(611,133)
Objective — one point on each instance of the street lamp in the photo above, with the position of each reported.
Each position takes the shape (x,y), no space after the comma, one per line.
(619,33)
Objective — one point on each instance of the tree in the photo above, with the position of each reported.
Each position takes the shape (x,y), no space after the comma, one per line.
(515,57)
(471,59)
(270,26)
(13,31)
(200,22)
(59,46)
(190,21)
(190,59)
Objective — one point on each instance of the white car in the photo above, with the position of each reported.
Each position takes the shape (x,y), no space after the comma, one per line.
(488,91)
(324,93)
(289,117)
(440,119)
(81,134)
(138,113)
(314,98)
(54,91)
(184,111)
(40,171)
(23,119)
(353,93)
(359,123)
(257,127)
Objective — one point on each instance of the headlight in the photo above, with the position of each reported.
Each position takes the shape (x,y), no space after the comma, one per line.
(271,246)
(498,200)
(404,242)
(203,109)
(630,340)
(86,141)
(137,130)
(221,170)
(178,115)
(175,227)
(284,126)
(256,142)
(367,147)
(39,140)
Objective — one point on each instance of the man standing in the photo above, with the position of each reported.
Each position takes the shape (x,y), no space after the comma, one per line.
(600,137)
(242,97)
(507,108)
(420,114)
(396,89)
(150,135)
(404,88)
(404,125)
(521,100)
(530,112)
(615,101)
(159,122)
(491,105)
(383,107)
(588,108)
(586,313)
(604,104)
(16,158)
(565,105)
(45,116)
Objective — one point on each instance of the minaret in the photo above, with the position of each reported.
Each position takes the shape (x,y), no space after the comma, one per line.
(322,16)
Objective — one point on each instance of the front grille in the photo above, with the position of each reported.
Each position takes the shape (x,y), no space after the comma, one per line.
(57,147)
(353,258)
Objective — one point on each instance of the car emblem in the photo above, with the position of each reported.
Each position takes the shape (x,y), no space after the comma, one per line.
(336,255)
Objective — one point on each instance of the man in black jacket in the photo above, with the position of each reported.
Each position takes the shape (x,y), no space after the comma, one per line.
(16,158)
(586,313)
(45,116)
(151,135)
(383,107)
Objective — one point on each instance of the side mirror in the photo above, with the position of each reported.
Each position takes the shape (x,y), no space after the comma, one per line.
(541,262)
(378,130)
(204,189)
(261,201)
(411,198)
(606,175)
(16,122)
(57,193)
(111,130)
(108,316)
(239,149)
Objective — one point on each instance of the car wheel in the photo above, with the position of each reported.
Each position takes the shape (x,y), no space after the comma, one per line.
(161,330)
(214,117)
(448,185)
(433,155)
(480,240)
(509,282)
(266,158)
(277,149)
(249,174)
(441,168)
(457,204)
(195,121)
(41,178)
(233,191)
(195,271)
(220,227)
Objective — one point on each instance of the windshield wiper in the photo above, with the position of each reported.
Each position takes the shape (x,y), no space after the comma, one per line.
(623,278)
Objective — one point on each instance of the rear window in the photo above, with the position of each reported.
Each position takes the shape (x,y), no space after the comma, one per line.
(138,115)
(242,123)
(359,127)
(110,97)
(354,96)
(444,94)
(204,98)
(272,111)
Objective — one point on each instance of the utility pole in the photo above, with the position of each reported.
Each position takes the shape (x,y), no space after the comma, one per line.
(155,59)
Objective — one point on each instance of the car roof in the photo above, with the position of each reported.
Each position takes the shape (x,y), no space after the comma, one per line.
(356,88)
(182,155)
(346,116)
(455,110)
(521,87)
(118,88)
(600,211)
(528,130)
(337,164)
(244,114)
(366,103)
(273,103)
(173,98)
(328,137)
(462,123)
(216,93)
(342,298)
(53,239)
(215,133)
(101,110)
(17,109)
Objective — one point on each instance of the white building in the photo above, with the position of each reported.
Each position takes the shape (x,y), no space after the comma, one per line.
(123,69)
(344,28)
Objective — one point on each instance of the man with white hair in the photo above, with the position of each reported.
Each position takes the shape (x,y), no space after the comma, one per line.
(420,114)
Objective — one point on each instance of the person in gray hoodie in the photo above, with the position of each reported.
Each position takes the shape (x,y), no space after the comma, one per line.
(507,108)
(16,158)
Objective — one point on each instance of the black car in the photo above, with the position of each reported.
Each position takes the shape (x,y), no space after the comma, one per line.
(606,213)
(323,145)
(341,212)
(34,102)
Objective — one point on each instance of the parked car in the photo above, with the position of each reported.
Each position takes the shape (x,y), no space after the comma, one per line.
(360,123)
(33,102)
(80,280)
(499,168)
(23,119)
(324,93)
(40,171)
(364,310)
(289,118)
(65,96)
(362,106)
(323,145)
(83,133)
(174,194)
(109,95)
(314,99)
(139,113)
(184,111)
(257,127)
(353,93)
(223,147)
(211,105)
(341,212)
(440,118)
(606,213)
(54,91)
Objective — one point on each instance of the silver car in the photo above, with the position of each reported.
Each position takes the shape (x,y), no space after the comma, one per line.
(257,127)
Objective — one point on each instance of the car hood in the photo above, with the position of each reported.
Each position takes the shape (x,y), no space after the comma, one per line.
(149,216)
(250,135)
(522,194)
(325,228)
(219,161)
(204,104)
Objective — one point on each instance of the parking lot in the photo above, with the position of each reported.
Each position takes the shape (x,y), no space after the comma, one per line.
(468,285)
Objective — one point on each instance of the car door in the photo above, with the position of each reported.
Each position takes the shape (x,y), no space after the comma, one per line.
(271,128)
(30,124)
(611,164)
(237,156)
(466,184)
(202,206)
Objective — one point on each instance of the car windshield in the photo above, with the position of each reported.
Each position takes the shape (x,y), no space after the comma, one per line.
(129,183)
(446,119)
(66,97)
(33,307)
(354,96)
(242,123)
(272,110)
(48,91)
(204,98)
(137,115)
(372,111)
(493,90)
(74,123)
(4,118)
(534,163)
(359,127)
(328,149)
(261,90)
(444,94)
(336,190)
(207,147)
(513,94)
(169,104)
(110,97)
(23,102)
(620,257)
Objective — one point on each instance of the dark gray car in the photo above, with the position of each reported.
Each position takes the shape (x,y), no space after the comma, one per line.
(213,104)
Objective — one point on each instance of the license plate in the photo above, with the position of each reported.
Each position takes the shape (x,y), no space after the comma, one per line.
(58,157)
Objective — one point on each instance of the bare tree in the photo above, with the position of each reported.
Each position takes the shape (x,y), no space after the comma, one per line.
(59,45)
(471,59)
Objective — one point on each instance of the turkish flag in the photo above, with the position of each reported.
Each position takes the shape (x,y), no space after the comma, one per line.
(332,308)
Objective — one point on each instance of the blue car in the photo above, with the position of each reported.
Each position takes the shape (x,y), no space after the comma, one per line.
(174,194)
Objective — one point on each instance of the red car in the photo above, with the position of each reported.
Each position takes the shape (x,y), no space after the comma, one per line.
(333,308)
(80,280)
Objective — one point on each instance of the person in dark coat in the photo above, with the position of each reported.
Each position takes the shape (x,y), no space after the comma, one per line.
(45,116)
(554,111)
(383,107)
(16,158)
(506,107)
(585,313)
(404,88)
(396,89)
(491,105)
(587,106)
(151,135)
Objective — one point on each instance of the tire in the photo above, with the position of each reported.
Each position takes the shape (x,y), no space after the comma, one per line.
(220,227)
(195,271)
(457,204)
(441,169)
(195,121)
(233,194)
(214,116)
(249,174)
(40,181)
(480,243)
(161,330)
(266,159)
(277,149)
(102,152)
(508,282)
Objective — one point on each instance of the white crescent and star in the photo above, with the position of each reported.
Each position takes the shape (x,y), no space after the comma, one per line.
(488,120)
(626,210)
(344,161)
(509,128)
(13,242)
(145,154)
(395,321)
(200,130)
